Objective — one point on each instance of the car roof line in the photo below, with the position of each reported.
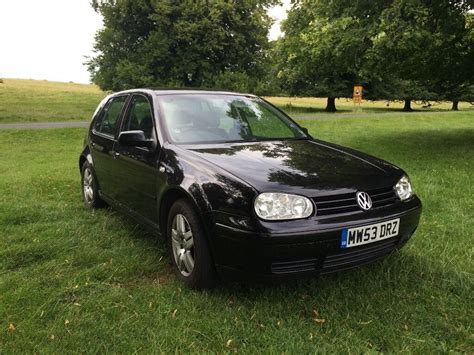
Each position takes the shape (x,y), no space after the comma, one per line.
(177,91)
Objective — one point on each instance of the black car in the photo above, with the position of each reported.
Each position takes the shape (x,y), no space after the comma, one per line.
(238,189)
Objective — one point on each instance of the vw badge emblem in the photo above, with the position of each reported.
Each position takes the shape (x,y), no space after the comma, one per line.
(364,200)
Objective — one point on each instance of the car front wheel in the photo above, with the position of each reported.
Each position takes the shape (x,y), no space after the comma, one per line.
(189,250)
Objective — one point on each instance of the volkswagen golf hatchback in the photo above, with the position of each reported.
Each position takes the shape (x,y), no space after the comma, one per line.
(237,189)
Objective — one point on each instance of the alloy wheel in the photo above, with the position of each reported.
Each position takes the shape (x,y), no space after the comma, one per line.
(182,242)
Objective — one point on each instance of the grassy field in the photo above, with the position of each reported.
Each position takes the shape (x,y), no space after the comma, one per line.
(45,101)
(80,281)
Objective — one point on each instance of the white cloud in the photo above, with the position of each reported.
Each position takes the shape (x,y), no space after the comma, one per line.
(48,39)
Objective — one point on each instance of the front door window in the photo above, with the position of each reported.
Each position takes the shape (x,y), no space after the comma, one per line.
(139,116)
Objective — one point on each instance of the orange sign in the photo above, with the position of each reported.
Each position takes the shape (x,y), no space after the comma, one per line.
(357,94)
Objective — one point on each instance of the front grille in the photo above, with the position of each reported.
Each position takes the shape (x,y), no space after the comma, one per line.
(287,267)
(383,197)
(346,203)
(359,256)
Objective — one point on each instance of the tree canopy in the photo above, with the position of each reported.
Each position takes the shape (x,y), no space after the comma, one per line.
(399,49)
(180,43)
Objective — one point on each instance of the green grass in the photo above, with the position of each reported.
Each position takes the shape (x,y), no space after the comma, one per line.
(46,101)
(80,281)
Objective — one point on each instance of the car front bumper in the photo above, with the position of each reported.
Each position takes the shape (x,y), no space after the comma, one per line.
(240,254)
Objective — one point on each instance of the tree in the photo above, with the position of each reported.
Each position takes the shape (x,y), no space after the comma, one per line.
(325,42)
(179,43)
(453,58)
(422,50)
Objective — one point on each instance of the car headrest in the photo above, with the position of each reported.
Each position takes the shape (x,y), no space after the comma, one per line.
(146,125)
(180,118)
(207,120)
(133,123)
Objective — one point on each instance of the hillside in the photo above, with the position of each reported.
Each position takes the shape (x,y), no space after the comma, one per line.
(46,101)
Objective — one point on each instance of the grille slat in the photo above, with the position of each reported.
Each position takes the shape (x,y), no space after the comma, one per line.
(387,193)
(347,203)
(352,198)
(286,267)
(384,202)
(334,208)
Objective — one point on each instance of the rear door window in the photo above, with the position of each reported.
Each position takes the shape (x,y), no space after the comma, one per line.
(107,121)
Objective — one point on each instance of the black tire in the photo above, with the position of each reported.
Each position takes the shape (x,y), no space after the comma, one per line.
(203,274)
(90,197)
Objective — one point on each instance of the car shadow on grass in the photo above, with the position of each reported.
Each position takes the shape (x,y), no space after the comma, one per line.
(428,141)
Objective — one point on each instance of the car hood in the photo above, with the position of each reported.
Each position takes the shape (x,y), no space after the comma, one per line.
(300,166)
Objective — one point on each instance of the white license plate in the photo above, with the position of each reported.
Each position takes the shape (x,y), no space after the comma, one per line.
(353,237)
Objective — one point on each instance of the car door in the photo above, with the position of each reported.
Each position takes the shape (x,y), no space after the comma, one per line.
(136,167)
(102,137)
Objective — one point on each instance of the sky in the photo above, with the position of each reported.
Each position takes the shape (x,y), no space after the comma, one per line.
(279,14)
(50,39)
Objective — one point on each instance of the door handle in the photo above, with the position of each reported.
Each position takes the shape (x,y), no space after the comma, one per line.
(116,155)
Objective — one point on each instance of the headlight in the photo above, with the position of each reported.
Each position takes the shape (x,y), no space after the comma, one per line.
(403,188)
(277,206)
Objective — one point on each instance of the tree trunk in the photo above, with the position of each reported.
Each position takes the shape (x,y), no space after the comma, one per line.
(455,105)
(331,104)
(407,107)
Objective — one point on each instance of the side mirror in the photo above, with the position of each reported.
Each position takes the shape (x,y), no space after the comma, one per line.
(134,139)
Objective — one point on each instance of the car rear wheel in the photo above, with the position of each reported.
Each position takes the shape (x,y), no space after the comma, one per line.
(90,193)
(188,247)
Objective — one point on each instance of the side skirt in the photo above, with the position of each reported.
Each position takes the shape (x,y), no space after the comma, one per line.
(144,222)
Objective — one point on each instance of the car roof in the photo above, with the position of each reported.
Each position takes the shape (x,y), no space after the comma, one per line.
(179,91)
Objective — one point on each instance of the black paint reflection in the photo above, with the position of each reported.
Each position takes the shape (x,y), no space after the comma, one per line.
(291,164)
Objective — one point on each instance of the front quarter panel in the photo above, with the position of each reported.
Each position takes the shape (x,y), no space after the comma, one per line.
(215,192)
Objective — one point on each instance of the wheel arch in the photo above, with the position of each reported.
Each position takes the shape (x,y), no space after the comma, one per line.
(170,196)
(85,156)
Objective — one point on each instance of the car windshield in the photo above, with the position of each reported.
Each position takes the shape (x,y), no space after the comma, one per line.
(207,118)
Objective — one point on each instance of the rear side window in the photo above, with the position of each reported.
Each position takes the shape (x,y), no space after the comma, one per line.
(108,119)
(139,116)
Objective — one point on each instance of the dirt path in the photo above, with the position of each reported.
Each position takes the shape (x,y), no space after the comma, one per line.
(41,125)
